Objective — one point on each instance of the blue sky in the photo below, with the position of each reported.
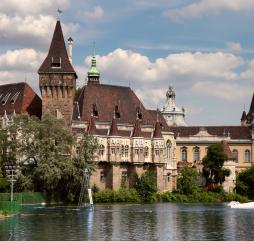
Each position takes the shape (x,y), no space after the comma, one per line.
(204,48)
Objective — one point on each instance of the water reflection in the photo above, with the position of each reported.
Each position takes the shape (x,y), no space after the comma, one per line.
(130,222)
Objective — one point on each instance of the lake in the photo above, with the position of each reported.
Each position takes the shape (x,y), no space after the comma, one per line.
(162,221)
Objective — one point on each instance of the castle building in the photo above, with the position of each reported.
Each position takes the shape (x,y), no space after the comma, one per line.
(173,115)
(132,138)
(18,98)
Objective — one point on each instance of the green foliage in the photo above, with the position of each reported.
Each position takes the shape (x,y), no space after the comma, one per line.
(44,149)
(122,195)
(146,187)
(187,182)
(213,165)
(200,197)
(245,182)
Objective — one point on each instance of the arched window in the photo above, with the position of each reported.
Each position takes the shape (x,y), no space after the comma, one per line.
(184,154)
(247,156)
(146,151)
(101,150)
(126,151)
(235,154)
(196,154)
(169,145)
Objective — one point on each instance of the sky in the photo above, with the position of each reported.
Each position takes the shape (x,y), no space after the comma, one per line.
(203,48)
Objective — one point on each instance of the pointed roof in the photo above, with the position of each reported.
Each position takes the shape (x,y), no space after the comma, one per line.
(227,150)
(113,131)
(157,130)
(244,116)
(251,111)
(91,128)
(57,60)
(137,129)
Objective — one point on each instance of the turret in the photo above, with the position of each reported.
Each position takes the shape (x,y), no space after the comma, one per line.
(57,79)
(93,75)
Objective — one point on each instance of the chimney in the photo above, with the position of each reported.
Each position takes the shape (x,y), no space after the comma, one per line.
(70,43)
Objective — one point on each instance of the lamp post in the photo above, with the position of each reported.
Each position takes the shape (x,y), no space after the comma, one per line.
(11,173)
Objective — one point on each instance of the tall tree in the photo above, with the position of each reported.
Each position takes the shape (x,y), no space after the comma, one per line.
(45,149)
(213,162)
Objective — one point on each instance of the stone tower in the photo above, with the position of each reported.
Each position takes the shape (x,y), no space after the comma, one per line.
(57,79)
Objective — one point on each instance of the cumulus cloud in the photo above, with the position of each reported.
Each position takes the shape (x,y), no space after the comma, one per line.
(96,14)
(128,65)
(20,65)
(196,72)
(30,28)
(203,7)
(31,7)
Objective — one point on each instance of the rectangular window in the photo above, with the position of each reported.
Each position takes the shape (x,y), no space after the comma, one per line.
(102,176)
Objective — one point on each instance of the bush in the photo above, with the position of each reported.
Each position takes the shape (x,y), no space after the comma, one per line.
(187,183)
(146,187)
(122,195)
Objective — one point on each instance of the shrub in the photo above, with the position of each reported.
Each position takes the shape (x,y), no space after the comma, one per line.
(146,187)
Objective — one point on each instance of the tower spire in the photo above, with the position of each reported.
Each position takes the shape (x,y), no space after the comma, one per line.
(93,73)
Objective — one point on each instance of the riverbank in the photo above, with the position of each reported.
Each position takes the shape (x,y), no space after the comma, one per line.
(132,196)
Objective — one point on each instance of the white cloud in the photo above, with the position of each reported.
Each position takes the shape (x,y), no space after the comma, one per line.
(31,7)
(203,7)
(23,59)
(196,72)
(234,47)
(20,65)
(130,66)
(30,28)
(96,14)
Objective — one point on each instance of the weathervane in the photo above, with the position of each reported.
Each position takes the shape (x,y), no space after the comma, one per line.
(59,12)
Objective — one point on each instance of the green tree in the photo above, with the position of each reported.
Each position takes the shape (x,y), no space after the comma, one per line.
(187,182)
(245,182)
(46,151)
(213,162)
(146,186)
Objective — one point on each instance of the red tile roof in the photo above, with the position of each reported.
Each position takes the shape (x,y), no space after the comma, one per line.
(157,130)
(227,150)
(57,54)
(21,98)
(137,129)
(235,132)
(113,131)
(106,98)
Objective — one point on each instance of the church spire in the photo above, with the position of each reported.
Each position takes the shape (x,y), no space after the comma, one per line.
(93,73)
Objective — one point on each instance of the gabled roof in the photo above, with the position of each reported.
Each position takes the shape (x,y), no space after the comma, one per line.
(235,132)
(57,54)
(137,129)
(227,150)
(157,130)
(19,98)
(106,98)
(113,131)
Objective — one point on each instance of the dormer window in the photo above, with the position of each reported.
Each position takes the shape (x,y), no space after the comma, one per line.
(6,97)
(95,110)
(117,112)
(56,62)
(139,113)
(14,98)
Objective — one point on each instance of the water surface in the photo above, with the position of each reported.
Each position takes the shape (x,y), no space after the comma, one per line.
(130,222)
